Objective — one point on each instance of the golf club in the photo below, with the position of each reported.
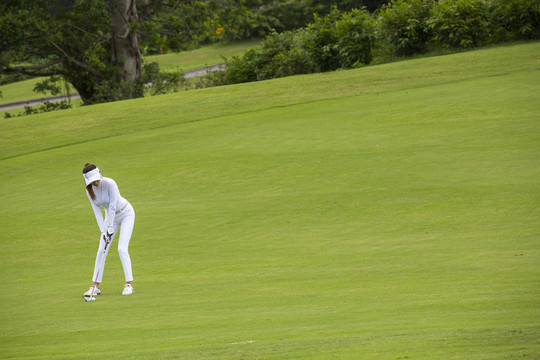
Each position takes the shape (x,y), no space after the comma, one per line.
(91,297)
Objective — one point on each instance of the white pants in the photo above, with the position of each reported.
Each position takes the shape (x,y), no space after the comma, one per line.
(125,220)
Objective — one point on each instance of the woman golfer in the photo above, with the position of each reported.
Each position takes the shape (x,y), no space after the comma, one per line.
(103,192)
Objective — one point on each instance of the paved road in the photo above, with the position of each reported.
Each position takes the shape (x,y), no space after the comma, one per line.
(34,102)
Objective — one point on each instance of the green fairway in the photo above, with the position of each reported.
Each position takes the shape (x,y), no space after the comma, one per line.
(388,212)
(20,91)
(206,56)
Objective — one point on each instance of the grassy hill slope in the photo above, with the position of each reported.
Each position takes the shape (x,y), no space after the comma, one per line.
(380,213)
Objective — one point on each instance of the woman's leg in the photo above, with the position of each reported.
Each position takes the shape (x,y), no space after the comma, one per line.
(100,255)
(128,221)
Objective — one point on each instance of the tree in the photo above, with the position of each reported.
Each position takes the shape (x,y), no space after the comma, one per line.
(125,43)
(95,44)
(89,42)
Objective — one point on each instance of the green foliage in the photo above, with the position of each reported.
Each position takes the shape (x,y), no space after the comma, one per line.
(403,28)
(10,79)
(242,69)
(212,79)
(185,25)
(283,55)
(46,107)
(236,22)
(71,39)
(50,85)
(356,37)
(287,15)
(75,36)
(331,42)
(416,26)
(514,20)
(157,83)
(323,42)
(403,23)
(460,23)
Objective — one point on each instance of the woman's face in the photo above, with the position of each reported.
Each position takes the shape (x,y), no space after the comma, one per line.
(96,183)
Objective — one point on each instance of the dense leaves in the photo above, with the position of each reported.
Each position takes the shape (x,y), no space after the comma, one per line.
(404,25)
(68,38)
(400,28)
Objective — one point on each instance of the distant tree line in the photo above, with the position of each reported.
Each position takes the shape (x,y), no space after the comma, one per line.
(188,24)
(97,45)
(342,40)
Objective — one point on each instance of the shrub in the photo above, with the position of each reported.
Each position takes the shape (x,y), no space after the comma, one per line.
(45,107)
(279,55)
(404,25)
(155,82)
(323,41)
(514,20)
(460,23)
(211,79)
(242,69)
(331,42)
(356,36)
(341,40)
(404,28)
(284,55)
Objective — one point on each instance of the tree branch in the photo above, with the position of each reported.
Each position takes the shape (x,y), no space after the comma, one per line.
(72,59)
(34,69)
(176,5)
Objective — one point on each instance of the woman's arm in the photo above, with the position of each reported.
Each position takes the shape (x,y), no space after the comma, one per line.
(114,195)
(98,213)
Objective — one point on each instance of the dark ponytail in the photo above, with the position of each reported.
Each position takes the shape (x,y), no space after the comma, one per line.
(89,167)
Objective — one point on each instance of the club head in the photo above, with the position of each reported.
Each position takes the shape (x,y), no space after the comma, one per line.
(88,298)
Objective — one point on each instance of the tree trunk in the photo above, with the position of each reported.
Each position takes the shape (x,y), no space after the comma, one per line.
(125,42)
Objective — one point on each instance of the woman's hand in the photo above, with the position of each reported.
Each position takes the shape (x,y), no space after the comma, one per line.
(108,235)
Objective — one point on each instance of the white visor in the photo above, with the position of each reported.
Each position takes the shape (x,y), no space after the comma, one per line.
(92,176)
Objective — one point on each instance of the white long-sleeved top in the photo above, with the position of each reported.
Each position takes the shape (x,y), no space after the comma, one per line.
(107,196)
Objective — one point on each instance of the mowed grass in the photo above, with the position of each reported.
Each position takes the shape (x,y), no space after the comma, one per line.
(389,212)
(20,91)
(197,58)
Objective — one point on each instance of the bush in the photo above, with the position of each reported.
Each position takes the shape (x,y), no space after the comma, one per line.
(460,23)
(242,69)
(155,82)
(285,55)
(323,41)
(331,42)
(341,40)
(404,25)
(46,107)
(279,55)
(404,28)
(514,20)
(211,79)
(356,36)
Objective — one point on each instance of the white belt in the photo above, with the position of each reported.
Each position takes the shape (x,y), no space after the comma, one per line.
(122,209)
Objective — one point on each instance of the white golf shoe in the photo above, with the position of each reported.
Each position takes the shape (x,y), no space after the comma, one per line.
(89,292)
(128,290)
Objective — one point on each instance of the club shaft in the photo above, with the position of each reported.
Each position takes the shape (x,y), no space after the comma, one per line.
(99,268)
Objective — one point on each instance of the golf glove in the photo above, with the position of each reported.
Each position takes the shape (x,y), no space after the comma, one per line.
(107,236)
